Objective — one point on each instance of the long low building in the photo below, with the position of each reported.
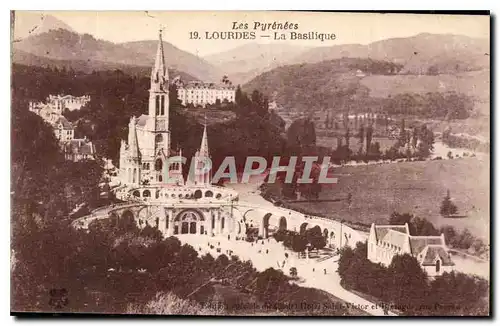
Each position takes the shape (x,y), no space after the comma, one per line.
(200,93)
(387,241)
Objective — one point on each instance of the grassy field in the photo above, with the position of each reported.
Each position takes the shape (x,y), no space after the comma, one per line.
(414,187)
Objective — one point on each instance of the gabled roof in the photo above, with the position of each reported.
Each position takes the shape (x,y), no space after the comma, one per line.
(435,251)
(418,243)
(425,248)
(382,230)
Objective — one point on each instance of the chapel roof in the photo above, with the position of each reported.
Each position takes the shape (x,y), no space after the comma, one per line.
(435,251)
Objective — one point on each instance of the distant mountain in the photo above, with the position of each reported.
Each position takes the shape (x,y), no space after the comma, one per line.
(421,54)
(247,61)
(361,85)
(64,45)
(175,58)
(87,66)
(28,23)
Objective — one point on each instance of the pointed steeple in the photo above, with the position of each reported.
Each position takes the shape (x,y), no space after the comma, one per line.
(159,74)
(132,139)
(204,141)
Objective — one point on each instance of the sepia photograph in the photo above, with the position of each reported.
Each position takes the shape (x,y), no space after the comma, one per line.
(250,163)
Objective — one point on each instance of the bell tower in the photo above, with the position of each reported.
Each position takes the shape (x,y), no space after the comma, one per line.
(158,109)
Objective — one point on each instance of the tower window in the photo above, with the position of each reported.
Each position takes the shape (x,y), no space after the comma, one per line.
(158,165)
(157,105)
(163,105)
(158,139)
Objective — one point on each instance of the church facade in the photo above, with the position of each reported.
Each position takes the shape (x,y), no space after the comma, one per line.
(146,157)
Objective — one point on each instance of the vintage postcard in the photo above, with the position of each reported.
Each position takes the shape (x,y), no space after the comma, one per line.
(250,163)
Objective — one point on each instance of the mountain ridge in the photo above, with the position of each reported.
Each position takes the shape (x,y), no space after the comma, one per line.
(65,45)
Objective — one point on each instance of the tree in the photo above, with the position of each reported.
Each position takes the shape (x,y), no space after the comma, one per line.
(295,241)
(421,226)
(426,145)
(293,271)
(301,136)
(447,206)
(315,237)
(369,134)
(459,294)
(399,219)
(409,283)
(402,134)
(361,134)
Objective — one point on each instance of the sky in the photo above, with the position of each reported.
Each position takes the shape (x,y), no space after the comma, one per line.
(363,28)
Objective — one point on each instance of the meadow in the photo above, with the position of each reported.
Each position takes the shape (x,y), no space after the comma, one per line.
(410,187)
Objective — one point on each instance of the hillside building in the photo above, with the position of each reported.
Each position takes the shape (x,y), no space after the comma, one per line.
(78,149)
(74,149)
(63,129)
(200,93)
(69,102)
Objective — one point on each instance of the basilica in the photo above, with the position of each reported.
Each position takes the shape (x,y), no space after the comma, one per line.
(152,183)
(146,157)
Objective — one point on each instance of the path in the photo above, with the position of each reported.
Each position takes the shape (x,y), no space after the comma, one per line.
(275,257)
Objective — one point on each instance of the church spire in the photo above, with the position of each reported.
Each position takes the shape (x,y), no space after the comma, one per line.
(159,74)
(132,139)
(204,140)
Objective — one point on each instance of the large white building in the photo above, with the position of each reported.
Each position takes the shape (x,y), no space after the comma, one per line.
(146,157)
(69,102)
(387,241)
(200,93)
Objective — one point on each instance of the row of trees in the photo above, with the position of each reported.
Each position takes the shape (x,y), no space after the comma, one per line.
(405,287)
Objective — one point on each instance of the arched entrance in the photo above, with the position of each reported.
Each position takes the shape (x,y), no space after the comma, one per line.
(198,194)
(303,228)
(332,237)
(127,219)
(282,225)
(187,222)
(265,224)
